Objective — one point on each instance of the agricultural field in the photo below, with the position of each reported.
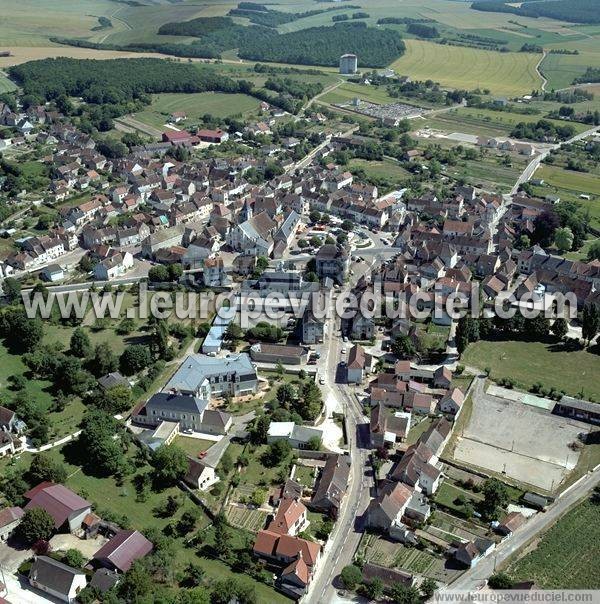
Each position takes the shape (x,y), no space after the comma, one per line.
(575,372)
(567,555)
(503,73)
(195,106)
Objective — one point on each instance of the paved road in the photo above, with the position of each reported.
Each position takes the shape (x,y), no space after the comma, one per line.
(343,541)
(474,578)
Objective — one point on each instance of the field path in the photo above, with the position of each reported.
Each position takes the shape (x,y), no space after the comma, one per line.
(114,16)
(540,73)
(130,122)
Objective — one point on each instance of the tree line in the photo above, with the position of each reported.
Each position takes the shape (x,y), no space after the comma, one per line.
(573,11)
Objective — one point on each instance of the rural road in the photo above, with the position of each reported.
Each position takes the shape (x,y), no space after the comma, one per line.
(472,579)
(533,165)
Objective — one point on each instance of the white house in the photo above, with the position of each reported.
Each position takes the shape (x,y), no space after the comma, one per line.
(57,579)
(112,267)
(200,475)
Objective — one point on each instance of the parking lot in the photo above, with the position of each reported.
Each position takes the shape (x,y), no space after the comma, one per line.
(526,443)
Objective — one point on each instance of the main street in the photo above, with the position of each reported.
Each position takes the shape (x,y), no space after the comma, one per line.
(344,540)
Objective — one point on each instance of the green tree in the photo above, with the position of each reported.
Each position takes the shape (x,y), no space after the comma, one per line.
(102,453)
(74,558)
(351,576)
(374,588)
(223,543)
(404,348)
(36,524)
(593,252)
(45,468)
(80,343)
(103,360)
(560,328)
(500,581)
(136,583)
(158,274)
(25,333)
(135,358)
(590,322)
(563,239)
(404,594)
(428,587)
(170,463)
(495,498)
(276,453)
(260,430)
(12,289)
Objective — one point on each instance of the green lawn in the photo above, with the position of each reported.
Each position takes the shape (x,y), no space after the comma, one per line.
(384,169)
(567,555)
(462,67)
(195,106)
(448,494)
(193,446)
(531,362)
(569,185)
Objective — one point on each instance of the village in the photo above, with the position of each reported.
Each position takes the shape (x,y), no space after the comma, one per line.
(349,452)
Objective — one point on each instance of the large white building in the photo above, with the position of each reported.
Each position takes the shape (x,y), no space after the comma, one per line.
(348,64)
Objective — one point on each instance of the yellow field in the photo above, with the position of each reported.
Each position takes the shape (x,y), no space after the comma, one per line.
(461,67)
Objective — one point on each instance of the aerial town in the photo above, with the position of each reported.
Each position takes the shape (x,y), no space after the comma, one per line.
(385,383)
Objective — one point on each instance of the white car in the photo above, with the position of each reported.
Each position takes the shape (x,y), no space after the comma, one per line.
(321,380)
(344,350)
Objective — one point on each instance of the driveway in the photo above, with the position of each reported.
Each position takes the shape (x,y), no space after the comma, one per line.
(214,454)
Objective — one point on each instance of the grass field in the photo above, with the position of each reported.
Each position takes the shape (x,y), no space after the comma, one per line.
(530,362)
(5,84)
(385,168)
(567,555)
(461,67)
(569,184)
(195,106)
(349,90)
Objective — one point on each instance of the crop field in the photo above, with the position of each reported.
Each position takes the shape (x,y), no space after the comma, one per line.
(195,106)
(561,70)
(567,555)
(461,67)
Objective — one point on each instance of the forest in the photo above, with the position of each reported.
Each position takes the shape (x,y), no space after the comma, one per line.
(325,45)
(118,80)
(313,46)
(261,15)
(573,11)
